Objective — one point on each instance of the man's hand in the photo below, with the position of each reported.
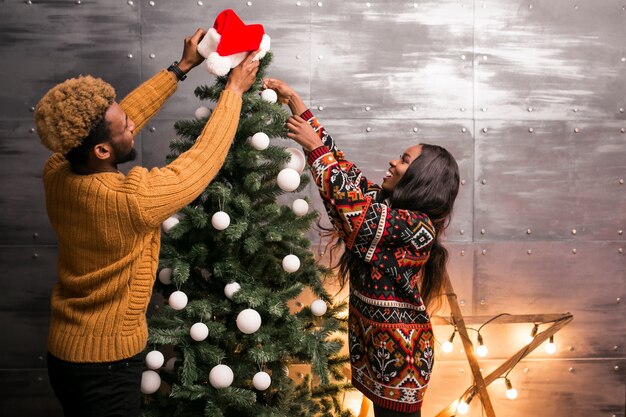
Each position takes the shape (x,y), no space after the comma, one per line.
(191,58)
(243,75)
(303,133)
(286,95)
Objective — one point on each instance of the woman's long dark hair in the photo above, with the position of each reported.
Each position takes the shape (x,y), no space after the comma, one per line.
(429,185)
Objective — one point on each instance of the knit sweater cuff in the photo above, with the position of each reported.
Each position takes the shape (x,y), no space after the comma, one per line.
(316,153)
(307,115)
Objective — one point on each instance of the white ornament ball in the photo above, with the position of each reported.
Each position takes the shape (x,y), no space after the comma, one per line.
(170,364)
(291,263)
(297,161)
(199,331)
(221,376)
(154,359)
(220,220)
(248,321)
(178,300)
(169,223)
(259,141)
(202,112)
(165,276)
(269,95)
(288,179)
(150,382)
(300,207)
(231,289)
(261,381)
(318,308)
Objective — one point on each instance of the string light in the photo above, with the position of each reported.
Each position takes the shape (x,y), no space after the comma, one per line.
(463,406)
(551,346)
(481,350)
(447,347)
(511,393)
(533,333)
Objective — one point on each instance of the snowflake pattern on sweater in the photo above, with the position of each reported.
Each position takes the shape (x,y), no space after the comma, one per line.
(390,334)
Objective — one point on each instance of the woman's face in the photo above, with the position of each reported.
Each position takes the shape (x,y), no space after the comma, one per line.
(397,167)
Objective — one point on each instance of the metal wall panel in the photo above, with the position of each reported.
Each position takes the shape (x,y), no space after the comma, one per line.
(550,178)
(392,59)
(549,59)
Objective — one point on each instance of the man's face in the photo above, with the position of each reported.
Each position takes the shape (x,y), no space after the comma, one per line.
(121,130)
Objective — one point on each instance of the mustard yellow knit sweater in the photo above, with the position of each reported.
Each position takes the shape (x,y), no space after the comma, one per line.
(108,226)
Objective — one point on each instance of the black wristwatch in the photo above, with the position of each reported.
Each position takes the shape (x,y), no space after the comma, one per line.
(177,71)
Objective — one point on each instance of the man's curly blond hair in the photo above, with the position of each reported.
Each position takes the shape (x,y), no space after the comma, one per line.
(69,111)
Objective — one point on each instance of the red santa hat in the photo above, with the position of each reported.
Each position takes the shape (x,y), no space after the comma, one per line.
(229,41)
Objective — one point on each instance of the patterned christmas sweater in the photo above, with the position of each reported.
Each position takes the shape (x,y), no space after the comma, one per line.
(390,334)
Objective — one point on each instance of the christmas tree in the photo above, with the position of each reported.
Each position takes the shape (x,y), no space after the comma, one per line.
(230,263)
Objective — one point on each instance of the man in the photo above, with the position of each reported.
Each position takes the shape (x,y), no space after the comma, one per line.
(108,223)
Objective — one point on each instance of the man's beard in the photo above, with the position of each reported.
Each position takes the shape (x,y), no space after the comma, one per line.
(127,157)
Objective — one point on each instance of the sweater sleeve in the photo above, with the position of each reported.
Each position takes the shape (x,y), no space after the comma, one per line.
(354,174)
(368,228)
(145,101)
(163,191)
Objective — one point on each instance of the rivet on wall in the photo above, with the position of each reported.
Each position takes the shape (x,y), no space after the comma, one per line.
(616,347)
(528,231)
(529,251)
(130,2)
(621,110)
(485,130)
(462,253)
(200,3)
(531,130)
(483,182)
(484,252)
(78,2)
(616,368)
(35,235)
(298,3)
(367,108)
(620,232)
(28,2)
(462,182)
(319,4)
(526,370)
(618,300)
(483,302)
(576,130)
(462,109)
(152,56)
(576,7)
(368,129)
(575,110)
(129,56)
(152,129)
(463,57)
(249,4)
(621,181)
(462,302)
(623,130)
(151,3)
(367,5)
(31,130)
(571,348)
(415,130)
(297,56)
(320,108)
(483,231)
(35,255)
(462,231)
(574,251)
(414,108)
(530,109)
(484,109)
(623,59)
(572,369)
(320,57)
(463,130)
(32,109)
(620,250)
(574,231)
(530,6)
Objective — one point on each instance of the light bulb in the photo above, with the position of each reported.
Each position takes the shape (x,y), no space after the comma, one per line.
(511,393)
(551,346)
(447,346)
(481,350)
(533,333)
(462,408)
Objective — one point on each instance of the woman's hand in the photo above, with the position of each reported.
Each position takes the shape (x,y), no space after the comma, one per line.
(286,95)
(303,133)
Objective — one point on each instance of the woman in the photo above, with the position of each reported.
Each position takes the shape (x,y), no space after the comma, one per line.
(394,259)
